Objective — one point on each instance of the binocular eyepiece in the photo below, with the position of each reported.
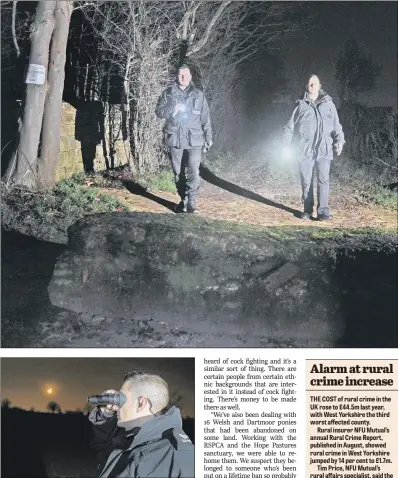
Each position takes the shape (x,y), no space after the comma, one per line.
(118,398)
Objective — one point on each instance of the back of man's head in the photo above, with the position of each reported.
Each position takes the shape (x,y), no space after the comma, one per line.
(150,386)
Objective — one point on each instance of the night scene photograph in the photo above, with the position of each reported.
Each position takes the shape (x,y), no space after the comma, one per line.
(91,417)
(199,174)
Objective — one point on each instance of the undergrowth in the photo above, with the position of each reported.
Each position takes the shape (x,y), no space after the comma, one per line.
(366,181)
(161,181)
(47,214)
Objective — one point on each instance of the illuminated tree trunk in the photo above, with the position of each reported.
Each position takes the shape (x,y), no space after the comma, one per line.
(53,105)
(24,164)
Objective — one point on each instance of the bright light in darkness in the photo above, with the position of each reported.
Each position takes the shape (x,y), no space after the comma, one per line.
(287,152)
(49,390)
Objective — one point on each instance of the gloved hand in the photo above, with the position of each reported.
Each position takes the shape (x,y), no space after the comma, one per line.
(208,144)
(338,147)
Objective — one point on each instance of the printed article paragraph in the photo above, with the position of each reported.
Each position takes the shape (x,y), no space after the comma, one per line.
(250,427)
(352,413)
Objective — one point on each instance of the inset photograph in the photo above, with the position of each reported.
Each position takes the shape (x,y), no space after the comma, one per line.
(97,417)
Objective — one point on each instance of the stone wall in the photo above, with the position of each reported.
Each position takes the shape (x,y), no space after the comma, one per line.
(85,131)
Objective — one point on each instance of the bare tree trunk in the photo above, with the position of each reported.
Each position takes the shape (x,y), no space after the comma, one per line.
(185,30)
(14,35)
(184,40)
(53,106)
(125,107)
(23,166)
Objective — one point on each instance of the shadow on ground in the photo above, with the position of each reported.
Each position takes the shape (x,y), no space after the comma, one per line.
(27,267)
(211,178)
(139,190)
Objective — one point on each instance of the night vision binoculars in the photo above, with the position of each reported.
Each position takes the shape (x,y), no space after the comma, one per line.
(118,398)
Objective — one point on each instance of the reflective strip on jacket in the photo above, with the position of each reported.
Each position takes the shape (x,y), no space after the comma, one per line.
(189,128)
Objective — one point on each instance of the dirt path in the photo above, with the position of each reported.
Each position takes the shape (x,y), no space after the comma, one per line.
(264,207)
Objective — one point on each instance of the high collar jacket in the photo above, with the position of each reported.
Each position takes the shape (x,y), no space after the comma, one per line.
(189,128)
(157,449)
(314,127)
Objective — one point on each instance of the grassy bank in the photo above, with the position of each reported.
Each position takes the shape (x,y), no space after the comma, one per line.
(47,214)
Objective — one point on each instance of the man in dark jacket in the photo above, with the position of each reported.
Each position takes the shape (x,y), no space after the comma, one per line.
(147,441)
(315,128)
(187,128)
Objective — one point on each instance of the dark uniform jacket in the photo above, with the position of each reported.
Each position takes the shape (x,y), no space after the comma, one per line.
(189,128)
(314,127)
(157,449)
(106,435)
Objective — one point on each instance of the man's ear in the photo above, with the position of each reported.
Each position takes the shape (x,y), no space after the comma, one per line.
(142,402)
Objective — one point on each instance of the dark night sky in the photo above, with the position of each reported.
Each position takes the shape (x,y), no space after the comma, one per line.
(24,381)
(375,26)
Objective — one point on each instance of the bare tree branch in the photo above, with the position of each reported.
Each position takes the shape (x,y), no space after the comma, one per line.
(184,25)
(14,36)
(82,5)
(199,44)
(141,41)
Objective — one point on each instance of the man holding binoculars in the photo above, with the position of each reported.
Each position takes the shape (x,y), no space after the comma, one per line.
(144,437)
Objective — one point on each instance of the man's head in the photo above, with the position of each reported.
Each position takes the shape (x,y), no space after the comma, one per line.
(313,86)
(184,76)
(146,395)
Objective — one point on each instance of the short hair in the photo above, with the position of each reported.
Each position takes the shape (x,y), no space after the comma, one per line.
(184,66)
(150,386)
(312,76)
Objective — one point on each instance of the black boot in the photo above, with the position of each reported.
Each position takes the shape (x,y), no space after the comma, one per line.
(325,217)
(181,207)
(192,210)
(305,216)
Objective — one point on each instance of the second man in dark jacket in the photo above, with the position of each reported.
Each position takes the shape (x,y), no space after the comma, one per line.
(187,128)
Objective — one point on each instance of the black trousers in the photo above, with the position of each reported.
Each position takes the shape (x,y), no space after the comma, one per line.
(185,164)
